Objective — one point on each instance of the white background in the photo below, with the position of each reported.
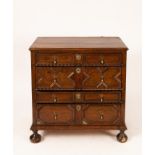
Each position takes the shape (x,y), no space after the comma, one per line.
(34,18)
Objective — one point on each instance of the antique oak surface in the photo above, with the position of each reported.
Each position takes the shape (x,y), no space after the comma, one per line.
(78,83)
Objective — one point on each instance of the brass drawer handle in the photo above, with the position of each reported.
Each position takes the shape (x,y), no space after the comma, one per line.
(101,116)
(55,100)
(101,99)
(78,57)
(78,107)
(102,61)
(55,115)
(55,62)
(78,70)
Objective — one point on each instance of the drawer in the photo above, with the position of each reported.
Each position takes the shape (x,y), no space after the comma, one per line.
(78,77)
(107,59)
(79,114)
(98,114)
(80,97)
(62,114)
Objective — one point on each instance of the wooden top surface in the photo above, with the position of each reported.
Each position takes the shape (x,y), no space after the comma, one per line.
(45,43)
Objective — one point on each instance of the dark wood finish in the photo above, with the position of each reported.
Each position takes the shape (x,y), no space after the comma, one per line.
(78,83)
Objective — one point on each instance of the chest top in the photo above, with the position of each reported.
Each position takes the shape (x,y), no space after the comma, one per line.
(47,43)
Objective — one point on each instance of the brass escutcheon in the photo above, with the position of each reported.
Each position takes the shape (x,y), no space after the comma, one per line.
(78,57)
(78,96)
(78,70)
(78,107)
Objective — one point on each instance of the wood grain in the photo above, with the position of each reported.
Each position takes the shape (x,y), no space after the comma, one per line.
(43,43)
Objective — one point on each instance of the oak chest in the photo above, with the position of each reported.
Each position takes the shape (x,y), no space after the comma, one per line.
(78,83)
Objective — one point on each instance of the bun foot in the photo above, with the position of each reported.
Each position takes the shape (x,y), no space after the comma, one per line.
(122,137)
(35,137)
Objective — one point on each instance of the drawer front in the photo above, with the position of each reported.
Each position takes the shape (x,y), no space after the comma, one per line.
(55,114)
(80,97)
(78,77)
(105,59)
(101,114)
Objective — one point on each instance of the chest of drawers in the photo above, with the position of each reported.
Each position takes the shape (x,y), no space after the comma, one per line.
(78,83)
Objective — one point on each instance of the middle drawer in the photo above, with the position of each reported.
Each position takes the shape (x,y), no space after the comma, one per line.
(80,97)
(86,78)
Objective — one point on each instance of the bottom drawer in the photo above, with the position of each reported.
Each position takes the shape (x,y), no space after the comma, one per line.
(78,114)
(61,114)
(101,114)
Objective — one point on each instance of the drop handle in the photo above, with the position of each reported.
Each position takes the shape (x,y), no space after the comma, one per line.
(101,116)
(55,115)
(55,62)
(101,99)
(55,100)
(102,61)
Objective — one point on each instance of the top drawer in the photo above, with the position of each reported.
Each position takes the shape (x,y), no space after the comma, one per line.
(105,59)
